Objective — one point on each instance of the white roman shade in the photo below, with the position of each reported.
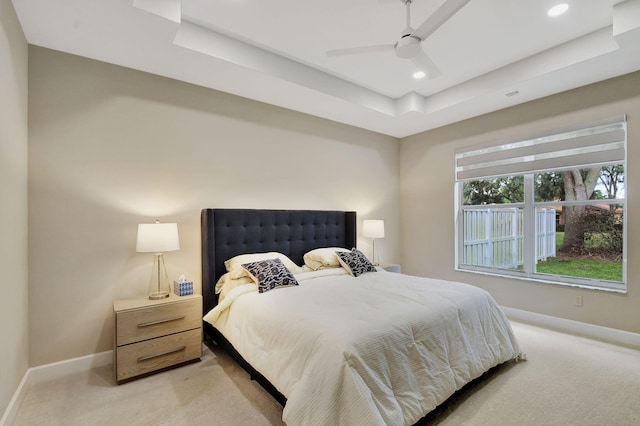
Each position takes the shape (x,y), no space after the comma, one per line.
(600,143)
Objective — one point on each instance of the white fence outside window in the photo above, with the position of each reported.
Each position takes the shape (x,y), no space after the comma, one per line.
(493,237)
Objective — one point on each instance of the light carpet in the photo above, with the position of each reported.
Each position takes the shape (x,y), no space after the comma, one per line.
(567,380)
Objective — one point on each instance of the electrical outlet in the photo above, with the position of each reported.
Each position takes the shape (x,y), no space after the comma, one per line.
(577,301)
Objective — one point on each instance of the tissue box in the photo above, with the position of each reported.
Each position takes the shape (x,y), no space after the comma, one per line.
(183,288)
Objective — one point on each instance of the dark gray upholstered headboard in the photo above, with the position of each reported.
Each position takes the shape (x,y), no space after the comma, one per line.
(230,232)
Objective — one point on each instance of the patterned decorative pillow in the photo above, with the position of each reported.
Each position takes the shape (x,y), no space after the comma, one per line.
(355,262)
(234,265)
(269,274)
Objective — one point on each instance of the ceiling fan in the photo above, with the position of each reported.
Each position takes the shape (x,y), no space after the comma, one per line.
(408,46)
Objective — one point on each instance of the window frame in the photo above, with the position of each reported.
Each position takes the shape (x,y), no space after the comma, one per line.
(529,206)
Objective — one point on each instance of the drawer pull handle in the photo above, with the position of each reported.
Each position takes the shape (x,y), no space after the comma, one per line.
(162,321)
(148,357)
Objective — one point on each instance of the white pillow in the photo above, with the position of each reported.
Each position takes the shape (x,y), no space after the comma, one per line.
(235,269)
(226,283)
(223,287)
(323,258)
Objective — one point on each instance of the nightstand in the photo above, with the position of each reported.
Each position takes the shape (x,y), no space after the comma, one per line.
(390,267)
(152,335)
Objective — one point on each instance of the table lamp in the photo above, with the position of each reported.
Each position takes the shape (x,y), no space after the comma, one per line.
(158,238)
(373,228)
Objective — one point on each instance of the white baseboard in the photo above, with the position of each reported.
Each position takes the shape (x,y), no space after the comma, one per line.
(56,370)
(59,369)
(18,396)
(611,335)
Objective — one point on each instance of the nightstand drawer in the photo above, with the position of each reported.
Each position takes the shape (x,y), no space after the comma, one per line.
(151,355)
(152,321)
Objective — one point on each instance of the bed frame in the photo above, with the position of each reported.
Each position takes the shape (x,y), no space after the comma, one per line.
(229,232)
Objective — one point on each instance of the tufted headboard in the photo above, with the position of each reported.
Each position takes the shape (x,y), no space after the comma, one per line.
(230,232)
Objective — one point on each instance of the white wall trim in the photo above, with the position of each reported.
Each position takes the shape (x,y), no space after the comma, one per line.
(611,335)
(60,369)
(56,370)
(12,409)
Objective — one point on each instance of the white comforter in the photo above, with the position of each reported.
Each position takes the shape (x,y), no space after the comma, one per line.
(379,349)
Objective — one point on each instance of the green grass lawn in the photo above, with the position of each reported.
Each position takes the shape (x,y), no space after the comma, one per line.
(583,268)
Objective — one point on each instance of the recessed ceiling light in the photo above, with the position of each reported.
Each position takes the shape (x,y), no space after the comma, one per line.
(558,9)
(418,75)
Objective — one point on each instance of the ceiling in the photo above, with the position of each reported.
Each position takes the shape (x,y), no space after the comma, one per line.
(491,54)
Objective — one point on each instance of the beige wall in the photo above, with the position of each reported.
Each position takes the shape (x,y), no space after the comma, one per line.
(110,147)
(13,204)
(427,192)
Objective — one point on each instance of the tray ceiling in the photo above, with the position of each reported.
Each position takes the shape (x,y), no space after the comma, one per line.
(492,54)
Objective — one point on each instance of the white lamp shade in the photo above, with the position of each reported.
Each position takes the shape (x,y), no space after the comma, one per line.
(373,228)
(157,237)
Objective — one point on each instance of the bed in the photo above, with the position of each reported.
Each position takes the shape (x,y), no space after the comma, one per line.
(378,348)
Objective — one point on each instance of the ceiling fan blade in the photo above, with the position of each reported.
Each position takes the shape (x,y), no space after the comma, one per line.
(426,65)
(439,17)
(360,50)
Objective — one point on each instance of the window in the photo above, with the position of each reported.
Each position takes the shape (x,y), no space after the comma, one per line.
(550,208)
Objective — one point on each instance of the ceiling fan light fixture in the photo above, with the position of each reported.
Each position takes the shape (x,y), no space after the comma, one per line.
(408,47)
(418,75)
(558,9)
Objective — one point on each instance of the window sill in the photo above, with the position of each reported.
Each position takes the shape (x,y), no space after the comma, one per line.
(541,280)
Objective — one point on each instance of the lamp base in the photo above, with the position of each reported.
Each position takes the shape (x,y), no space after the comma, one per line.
(159,282)
(373,254)
(158,296)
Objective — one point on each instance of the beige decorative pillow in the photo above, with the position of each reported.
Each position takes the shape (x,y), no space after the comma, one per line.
(227,283)
(323,258)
